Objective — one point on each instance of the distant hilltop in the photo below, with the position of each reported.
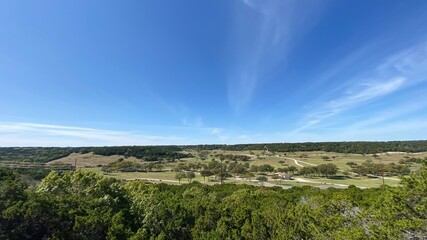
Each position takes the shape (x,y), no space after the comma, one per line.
(154,153)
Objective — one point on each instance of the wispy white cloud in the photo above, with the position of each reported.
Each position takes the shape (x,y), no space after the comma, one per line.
(411,62)
(349,61)
(353,98)
(395,72)
(216,134)
(415,129)
(250,3)
(35,134)
(263,36)
(403,110)
(220,134)
(215,131)
(32,134)
(196,123)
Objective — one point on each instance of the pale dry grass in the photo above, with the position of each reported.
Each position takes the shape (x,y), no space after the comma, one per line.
(89,160)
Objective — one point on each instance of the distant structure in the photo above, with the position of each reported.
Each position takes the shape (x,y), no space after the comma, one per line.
(284,176)
(266,148)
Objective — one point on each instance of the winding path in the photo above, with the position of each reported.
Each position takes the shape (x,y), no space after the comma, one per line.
(298,162)
(325,183)
(152,179)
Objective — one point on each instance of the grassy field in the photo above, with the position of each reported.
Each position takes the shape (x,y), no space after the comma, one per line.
(165,177)
(93,162)
(169,177)
(86,160)
(364,182)
(338,159)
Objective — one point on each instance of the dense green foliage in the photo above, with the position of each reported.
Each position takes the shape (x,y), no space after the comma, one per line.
(34,154)
(46,154)
(149,153)
(85,205)
(341,147)
(128,166)
(233,157)
(327,170)
(36,174)
(378,168)
(155,153)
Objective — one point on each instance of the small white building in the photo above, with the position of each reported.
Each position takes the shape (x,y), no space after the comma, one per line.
(284,176)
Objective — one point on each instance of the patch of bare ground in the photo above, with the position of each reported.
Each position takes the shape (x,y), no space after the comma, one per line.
(88,160)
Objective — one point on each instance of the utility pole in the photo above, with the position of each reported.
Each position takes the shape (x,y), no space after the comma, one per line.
(382,167)
(221,174)
(383,177)
(382,170)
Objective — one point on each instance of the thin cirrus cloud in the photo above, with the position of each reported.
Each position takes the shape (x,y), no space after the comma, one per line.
(350,100)
(198,126)
(32,134)
(263,35)
(399,130)
(397,122)
(411,63)
(402,69)
(404,110)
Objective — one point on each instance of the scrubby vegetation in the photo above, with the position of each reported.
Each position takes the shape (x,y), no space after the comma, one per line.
(315,168)
(90,203)
(86,205)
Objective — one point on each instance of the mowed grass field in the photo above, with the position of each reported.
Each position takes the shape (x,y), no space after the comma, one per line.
(364,182)
(93,162)
(338,159)
(165,177)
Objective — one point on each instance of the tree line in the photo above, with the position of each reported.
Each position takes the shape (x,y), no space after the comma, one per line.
(368,167)
(129,166)
(156,153)
(46,154)
(327,170)
(340,147)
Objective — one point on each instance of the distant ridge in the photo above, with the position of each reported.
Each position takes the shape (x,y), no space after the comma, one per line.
(154,153)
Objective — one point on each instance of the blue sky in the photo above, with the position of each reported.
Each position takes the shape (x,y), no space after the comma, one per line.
(78,73)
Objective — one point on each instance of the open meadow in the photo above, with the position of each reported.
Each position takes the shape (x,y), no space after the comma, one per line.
(279,161)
